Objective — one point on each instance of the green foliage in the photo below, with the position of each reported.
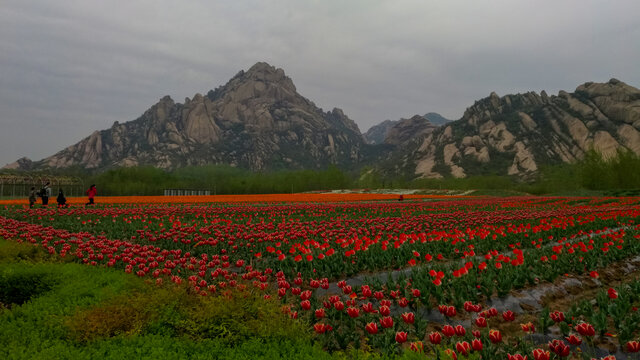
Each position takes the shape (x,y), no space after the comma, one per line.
(15,252)
(19,285)
(219,179)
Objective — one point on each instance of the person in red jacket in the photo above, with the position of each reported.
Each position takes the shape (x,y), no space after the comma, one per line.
(91,193)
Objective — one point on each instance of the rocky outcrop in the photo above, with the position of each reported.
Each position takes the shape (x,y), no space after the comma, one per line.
(257,121)
(398,131)
(24,163)
(515,134)
(377,133)
(407,129)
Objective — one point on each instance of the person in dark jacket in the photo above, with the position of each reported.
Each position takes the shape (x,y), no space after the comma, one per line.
(62,200)
(32,196)
(45,193)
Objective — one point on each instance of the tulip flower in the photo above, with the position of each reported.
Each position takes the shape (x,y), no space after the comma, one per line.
(495,336)
(528,327)
(574,340)
(613,294)
(557,316)
(476,344)
(448,330)
(508,315)
(321,328)
(481,322)
(560,348)
(371,328)
(540,354)
(417,346)
(585,329)
(320,313)
(353,312)
(460,331)
(463,348)
(384,310)
(401,337)
(633,346)
(516,357)
(403,302)
(305,305)
(386,322)
(452,354)
(435,338)
(408,317)
(368,308)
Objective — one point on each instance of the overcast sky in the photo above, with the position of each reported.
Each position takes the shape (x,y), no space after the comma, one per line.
(68,68)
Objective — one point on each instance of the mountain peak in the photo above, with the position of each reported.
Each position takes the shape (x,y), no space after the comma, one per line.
(257,120)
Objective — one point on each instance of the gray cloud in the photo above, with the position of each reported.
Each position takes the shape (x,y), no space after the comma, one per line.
(68,68)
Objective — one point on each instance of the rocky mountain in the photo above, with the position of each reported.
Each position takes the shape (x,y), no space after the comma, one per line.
(436,119)
(515,134)
(256,121)
(397,130)
(377,133)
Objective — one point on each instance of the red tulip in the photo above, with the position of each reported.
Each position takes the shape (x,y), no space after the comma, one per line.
(305,305)
(452,354)
(481,322)
(417,346)
(633,346)
(463,348)
(451,311)
(321,328)
(339,305)
(435,338)
(495,336)
(372,328)
(403,302)
(613,294)
(476,344)
(539,354)
(460,331)
(386,322)
(401,337)
(353,312)
(516,357)
(415,293)
(528,327)
(560,348)
(408,318)
(508,315)
(448,330)
(574,340)
(320,313)
(557,316)
(585,329)
(384,310)
(368,308)
(305,295)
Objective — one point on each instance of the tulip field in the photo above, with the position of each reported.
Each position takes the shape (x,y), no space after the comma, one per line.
(445,277)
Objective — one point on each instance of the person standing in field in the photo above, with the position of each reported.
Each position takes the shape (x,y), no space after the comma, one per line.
(45,193)
(32,197)
(91,193)
(62,200)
